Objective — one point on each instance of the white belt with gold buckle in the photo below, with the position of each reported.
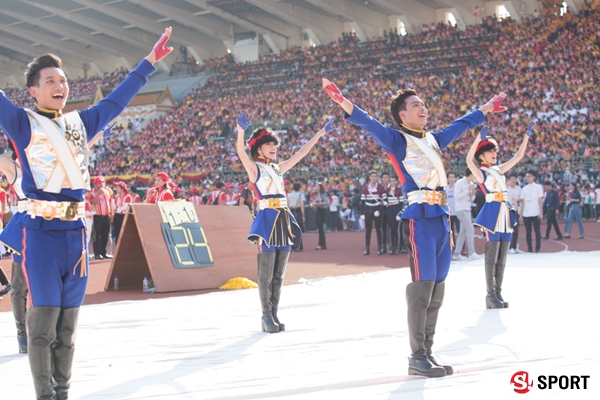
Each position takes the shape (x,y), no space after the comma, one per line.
(431,197)
(274,202)
(63,210)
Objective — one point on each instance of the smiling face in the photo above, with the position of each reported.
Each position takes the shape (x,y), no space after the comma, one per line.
(52,90)
(415,116)
(490,156)
(268,150)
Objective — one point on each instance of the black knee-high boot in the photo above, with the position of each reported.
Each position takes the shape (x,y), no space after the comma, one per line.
(437,299)
(18,298)
(491,255)
(499,272)
(418,299)
(41,330)
(281,260)
(63,351)
(266,262)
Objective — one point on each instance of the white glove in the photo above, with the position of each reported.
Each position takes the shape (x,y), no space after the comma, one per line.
(362,217)
(397,218)
(376,213)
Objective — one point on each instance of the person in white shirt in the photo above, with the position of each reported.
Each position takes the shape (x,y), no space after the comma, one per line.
(454,223)
(514,196)
(335,221)
(532,196)
(464,190)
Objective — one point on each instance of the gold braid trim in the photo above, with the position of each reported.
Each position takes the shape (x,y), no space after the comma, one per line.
(83,259)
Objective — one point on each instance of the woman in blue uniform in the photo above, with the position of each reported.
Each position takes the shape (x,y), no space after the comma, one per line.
(497,217)
(274,228)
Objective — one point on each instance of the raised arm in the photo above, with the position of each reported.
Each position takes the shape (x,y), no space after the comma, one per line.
(386,137)
(293,160)
(455,130)
(159,51)
(335,94)
(13,120)
(249,165)
(471,154)
(98,116)
(520,153)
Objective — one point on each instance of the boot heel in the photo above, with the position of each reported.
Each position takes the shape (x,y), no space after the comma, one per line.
(269,326)
(493,303)
(279,324)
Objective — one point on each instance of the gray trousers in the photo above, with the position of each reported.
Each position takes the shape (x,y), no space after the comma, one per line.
(466,233)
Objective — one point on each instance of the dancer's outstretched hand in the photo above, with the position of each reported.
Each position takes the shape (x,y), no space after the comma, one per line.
(497,102)
(483,133)
(333,91)
(329,125)
(160,51)
(530,129)
(242,120)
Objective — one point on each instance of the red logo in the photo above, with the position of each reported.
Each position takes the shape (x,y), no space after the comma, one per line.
(519,382)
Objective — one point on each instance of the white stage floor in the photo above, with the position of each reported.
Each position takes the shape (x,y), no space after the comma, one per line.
(346,339)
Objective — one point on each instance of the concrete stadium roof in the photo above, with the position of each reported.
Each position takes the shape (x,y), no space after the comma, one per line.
(97,36)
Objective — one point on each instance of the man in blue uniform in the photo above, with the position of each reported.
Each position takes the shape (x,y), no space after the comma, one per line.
(417,160)
(52,149)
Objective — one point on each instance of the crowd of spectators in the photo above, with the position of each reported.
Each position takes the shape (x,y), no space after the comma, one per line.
(549,66)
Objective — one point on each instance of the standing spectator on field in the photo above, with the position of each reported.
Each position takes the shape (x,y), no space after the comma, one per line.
(296,202)
(551,208)
(514,197)
(532,196)
(464,190)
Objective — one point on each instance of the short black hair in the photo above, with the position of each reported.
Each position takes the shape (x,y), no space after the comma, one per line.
(219,185)
(297,186)
(531,172)
(265,135)
(487,145)
(468,172)
(511,175)
(548,183)
(399,103)
(385,173)
(32,73)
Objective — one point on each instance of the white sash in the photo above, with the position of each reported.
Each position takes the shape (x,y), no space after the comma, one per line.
(498,176)
(66,165)
(433,155)
(274,177)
